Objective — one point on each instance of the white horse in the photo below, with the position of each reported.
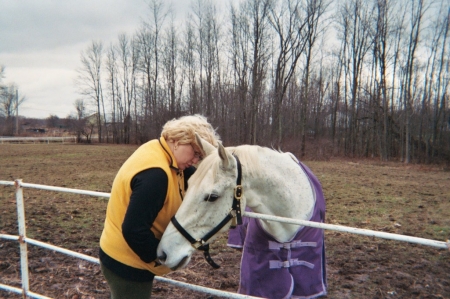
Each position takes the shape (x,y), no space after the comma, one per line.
(290,262)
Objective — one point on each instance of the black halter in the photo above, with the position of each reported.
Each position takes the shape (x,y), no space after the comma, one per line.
(235,215)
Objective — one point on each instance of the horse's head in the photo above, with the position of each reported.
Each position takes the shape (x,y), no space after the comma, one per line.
(207,204)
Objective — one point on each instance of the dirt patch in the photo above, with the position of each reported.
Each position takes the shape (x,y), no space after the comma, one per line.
(410,200)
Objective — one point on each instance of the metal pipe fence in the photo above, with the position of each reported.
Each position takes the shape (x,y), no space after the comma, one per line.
(42,139)
(23,240)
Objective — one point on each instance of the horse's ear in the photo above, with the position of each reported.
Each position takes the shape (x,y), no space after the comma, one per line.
(224,156)
(207,147)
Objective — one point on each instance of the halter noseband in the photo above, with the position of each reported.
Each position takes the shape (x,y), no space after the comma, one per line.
(235,215)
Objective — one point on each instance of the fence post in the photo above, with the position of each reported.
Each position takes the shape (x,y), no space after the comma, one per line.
(22,236)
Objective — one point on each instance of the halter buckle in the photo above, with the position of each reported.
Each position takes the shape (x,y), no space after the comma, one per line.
(198,243)
(238,192)
(233,222)
(233,218)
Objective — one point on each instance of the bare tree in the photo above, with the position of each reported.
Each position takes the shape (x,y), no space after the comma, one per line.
(443,80)
(89,79)
(380,58)
(208,34)
(314,11)
(9,105)
(170,63)
(398,36)
(114,92)
(8,100)
(52,121)
(240,48)
(189,64)
(290,26)
(146,65)
(81,124)
(251,54)
(417,12)
(335,97)
(154,26)
(356,16)
(199,20)
(127,70)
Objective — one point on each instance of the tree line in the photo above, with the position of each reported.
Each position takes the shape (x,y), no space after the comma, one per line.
(363,78)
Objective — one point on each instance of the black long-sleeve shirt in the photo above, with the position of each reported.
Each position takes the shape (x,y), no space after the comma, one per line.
(149,189)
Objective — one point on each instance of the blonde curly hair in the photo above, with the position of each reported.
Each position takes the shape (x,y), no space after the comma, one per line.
(183,129)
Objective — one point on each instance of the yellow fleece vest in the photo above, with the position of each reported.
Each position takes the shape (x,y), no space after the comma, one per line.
(112,242)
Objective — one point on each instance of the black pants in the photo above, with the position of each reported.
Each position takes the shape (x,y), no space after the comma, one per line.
(125,289)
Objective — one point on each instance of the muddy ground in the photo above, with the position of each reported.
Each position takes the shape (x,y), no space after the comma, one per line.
(392,197)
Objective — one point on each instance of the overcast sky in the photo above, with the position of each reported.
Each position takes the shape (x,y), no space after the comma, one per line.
(41,42)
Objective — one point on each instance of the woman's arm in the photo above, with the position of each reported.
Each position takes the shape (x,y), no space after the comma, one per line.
(149,190)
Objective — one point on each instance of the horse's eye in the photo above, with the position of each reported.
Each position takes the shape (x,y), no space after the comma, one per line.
(211,197)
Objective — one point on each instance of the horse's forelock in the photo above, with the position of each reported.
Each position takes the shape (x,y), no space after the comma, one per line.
(207,164)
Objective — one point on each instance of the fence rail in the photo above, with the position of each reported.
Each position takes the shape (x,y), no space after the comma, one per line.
(23,240)
(37,139)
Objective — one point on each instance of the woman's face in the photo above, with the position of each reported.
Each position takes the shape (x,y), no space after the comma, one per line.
(185,155)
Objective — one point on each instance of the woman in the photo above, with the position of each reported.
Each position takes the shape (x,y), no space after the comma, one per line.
(146,192)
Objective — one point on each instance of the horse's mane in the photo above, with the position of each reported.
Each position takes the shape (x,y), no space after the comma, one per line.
(249,157)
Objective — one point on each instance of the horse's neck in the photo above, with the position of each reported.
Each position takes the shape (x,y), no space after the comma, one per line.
(283,190)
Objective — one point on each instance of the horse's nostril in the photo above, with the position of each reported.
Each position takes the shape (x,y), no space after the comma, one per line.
(162,258)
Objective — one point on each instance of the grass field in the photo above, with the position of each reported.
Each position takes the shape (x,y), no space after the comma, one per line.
(392,197)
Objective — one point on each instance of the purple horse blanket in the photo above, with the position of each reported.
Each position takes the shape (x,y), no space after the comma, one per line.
(295,269)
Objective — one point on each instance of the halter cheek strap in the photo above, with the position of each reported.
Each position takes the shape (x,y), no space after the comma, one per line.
(237,195)
(199,244)
(235,215)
